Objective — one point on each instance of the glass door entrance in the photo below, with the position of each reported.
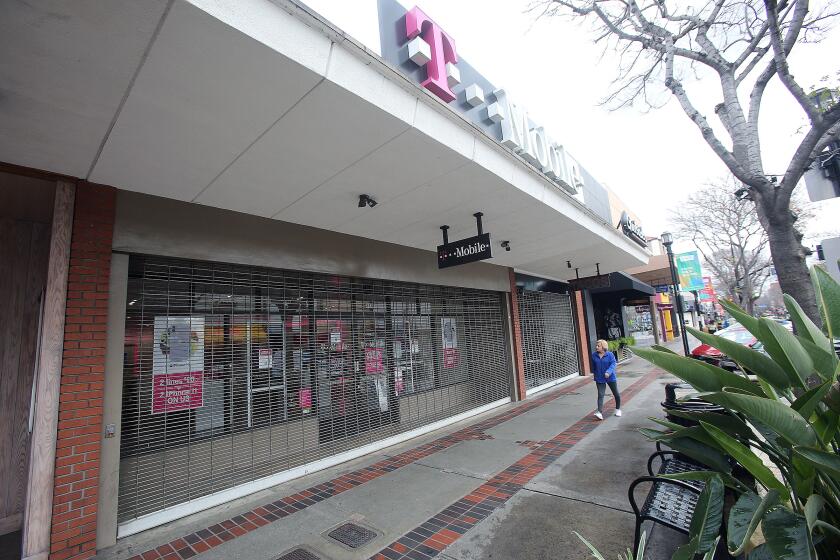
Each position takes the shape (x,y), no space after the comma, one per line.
(267,371)
(354,366)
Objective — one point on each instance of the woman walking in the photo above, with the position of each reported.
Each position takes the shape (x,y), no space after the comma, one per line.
(603,366)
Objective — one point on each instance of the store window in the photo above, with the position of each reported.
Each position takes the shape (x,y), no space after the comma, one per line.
(233,372)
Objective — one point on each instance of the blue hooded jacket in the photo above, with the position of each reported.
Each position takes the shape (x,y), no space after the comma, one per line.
(603,367)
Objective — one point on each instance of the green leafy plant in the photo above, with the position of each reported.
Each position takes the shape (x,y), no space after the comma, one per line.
(614,345)
(782,429)
(639,553)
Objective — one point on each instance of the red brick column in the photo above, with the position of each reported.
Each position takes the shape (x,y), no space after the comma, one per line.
(516,329)
(583,341)
(79,434)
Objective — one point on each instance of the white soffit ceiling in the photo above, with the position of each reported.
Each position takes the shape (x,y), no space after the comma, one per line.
(324,134)
(403,164)
(64,68)
(205,92)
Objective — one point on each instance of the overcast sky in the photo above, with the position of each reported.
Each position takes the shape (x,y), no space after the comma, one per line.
(652,160)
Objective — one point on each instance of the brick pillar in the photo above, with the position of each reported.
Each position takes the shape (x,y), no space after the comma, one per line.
(79,433)
(583,340)
(518,355)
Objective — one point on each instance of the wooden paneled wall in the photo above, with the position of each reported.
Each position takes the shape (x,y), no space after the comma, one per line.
(24,252)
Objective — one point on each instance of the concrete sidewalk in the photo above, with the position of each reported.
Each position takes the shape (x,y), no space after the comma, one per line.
(510,484)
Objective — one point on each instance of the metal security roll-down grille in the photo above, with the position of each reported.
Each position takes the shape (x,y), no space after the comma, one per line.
(548,337)
(233,373)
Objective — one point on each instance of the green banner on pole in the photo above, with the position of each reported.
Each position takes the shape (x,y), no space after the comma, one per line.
(689,271)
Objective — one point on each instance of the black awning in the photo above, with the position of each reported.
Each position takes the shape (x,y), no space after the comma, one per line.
(537,284)
(623,282)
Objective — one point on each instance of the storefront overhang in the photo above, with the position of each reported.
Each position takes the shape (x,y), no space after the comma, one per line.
(266,109)
(655,273)
(537,284)
(623,285)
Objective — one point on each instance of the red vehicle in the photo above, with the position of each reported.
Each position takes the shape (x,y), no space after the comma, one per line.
(736,333)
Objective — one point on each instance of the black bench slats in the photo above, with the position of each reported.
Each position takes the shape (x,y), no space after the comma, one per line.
(669,502)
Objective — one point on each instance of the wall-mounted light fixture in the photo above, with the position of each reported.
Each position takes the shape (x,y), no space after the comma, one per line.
(365,200)
(506,245)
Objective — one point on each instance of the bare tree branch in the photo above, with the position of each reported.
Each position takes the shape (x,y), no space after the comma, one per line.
(831,135)
(802,156)
(745,43)
(780,54)
(697,118)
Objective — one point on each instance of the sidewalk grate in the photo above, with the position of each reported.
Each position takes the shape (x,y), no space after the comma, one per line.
(352,535)
(298,554)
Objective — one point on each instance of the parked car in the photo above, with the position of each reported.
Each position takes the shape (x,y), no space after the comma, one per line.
(736,333)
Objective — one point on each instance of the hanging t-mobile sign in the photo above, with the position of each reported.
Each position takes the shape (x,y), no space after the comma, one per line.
(426,53)
(465,251)
(471,249)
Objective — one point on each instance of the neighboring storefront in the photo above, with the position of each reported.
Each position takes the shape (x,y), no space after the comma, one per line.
(244,281)
(614,303)
(663,314)
(610,303)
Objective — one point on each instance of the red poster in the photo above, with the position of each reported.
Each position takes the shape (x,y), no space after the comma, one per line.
(450,358)
(177,391)
(305,398)
(373,361)
(708,292)
(178,363)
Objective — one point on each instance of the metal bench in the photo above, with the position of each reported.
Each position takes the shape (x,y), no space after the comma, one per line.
(673,462)
(669,502)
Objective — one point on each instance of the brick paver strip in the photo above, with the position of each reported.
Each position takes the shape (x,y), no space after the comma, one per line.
(202,540)
(435,534)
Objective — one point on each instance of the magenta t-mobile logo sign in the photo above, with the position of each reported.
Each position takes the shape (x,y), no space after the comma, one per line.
(429,45)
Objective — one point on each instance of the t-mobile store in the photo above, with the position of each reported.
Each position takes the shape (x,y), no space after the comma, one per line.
(241,376)
(263,250)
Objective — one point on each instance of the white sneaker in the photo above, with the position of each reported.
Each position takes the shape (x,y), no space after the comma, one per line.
(618,412)
(599,416)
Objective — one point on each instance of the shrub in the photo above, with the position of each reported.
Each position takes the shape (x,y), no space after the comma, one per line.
(786,418)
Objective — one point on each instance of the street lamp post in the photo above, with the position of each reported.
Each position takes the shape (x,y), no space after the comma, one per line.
(667,240)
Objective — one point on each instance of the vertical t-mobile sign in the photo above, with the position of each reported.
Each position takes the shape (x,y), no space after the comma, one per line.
(441,50)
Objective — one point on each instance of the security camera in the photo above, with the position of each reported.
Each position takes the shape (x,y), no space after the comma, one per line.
(365,200)
(506,245)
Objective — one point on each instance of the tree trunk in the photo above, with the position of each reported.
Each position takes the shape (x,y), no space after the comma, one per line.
(789,260)
(747,295)
(747,292)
